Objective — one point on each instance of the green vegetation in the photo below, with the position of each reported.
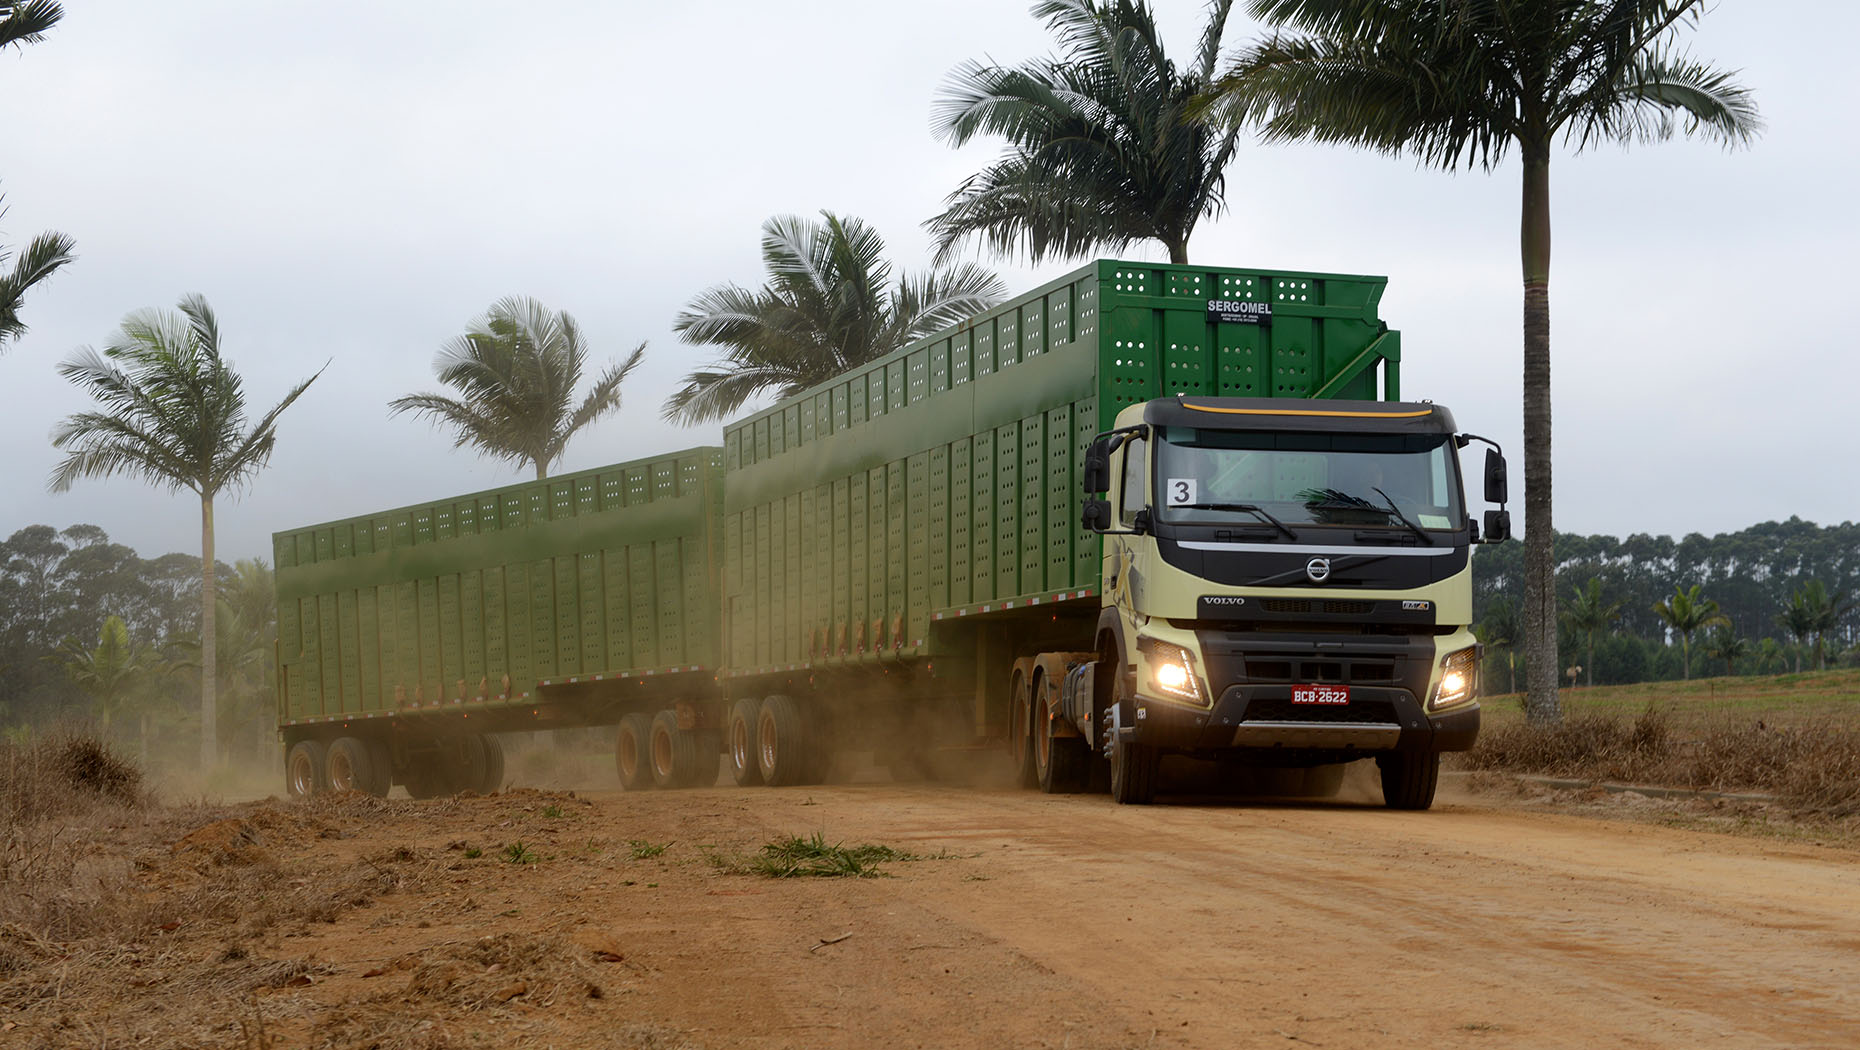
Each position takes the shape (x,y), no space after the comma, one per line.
(829,305)
(516,371)
(518,853)
(171,411)
(643,849)
(813,857)
(1105,146)
(1466,84)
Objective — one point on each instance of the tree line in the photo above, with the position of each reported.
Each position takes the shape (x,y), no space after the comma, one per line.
(1775,597)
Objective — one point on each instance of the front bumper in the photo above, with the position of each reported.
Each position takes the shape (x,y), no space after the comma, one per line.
(1263,718)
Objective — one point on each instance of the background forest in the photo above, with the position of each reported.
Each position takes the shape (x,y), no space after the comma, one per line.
(92,631)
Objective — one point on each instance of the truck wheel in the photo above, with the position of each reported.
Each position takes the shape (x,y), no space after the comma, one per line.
(347,766)
(674,753)
(1059,760)
(467,765)
(493,780)
(1021,736)
(381,757)
(741,741)
(631,757)
(1133,772)
(707,744)
(1133,765)
(783,744)
(303,769)
(1408,778)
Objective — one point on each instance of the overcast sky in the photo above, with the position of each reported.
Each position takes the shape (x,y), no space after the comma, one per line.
(355,182)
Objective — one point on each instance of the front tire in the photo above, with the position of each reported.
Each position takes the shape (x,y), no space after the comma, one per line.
(1134,766)
(1409,778)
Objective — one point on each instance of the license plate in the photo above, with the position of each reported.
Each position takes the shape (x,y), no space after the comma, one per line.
(1320,694)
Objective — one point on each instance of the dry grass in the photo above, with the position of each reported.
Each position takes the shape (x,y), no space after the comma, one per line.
(1813,764)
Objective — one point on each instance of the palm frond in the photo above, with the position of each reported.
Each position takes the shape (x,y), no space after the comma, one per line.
(27,21)
(44,256)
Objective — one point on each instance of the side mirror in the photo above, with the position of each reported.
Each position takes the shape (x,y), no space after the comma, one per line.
(1098,466)
(1095,515)
(1497,525)
(1497,485)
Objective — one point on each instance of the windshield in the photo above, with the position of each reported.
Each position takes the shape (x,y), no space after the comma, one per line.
(1360,480)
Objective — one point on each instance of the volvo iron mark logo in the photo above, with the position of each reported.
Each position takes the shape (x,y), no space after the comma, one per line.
(1318,569)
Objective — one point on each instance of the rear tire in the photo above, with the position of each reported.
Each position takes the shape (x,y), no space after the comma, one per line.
(493,780)
(784,745)
(347,766)
(673,752)
(1022,726)
(632,759)
(740,742)
(467,765)
(1409,778)
(303,769)
(426,776)
(1059,760)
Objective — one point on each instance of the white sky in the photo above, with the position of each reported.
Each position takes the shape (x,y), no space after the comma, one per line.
(354,182)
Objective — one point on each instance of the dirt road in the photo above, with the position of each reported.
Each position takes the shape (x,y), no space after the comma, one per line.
(1043,922)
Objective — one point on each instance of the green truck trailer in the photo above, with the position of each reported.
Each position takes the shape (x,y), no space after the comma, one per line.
(912,559)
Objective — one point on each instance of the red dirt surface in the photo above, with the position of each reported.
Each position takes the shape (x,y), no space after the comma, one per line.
(526,919)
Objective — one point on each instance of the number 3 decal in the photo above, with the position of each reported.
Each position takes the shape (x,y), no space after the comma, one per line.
(1179,492)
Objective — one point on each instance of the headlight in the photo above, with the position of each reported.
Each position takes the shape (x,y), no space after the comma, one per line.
(1172,670)
(1459,675)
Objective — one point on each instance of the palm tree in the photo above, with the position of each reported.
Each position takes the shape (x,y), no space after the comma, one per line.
(1104,147)
(172,411)
(1686,612)
(1819,613)
(25,22)
(1587,614)
(109,670)
(1499,630)
(829,305)
(1799,620)
(1725,644)
(1465,83)
(22,23)
(42,258)
(516,371)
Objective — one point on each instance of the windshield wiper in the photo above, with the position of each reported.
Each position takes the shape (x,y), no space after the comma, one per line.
(1245,508)
(1403,518)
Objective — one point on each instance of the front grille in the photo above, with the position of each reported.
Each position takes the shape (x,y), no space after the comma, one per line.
(1350,608)
(1356,712)
(1362,671)
(1286,605)
(1297,606)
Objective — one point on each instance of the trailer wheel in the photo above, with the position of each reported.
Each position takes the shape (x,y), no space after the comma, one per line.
(782,742)
(1021,731)
(466,765)
(493,779)
(1409,778)
(303,769)
(631,757)
(1059,760)
(347,766)
(740,741)
(673,752)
